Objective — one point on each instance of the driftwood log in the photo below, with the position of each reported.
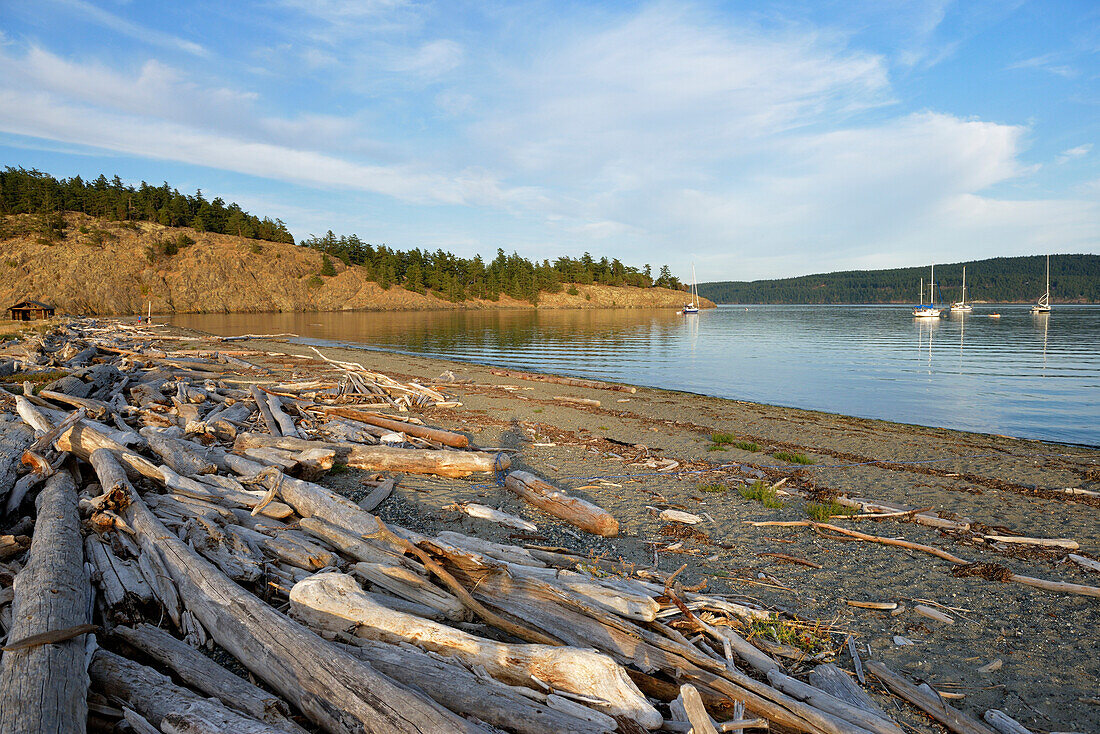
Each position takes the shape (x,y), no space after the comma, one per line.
(336,691)
(45,687)
(584,515)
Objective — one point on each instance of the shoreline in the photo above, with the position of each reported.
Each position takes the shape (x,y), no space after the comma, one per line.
(1002,484)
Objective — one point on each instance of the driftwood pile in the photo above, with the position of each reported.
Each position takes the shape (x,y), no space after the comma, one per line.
(169,564)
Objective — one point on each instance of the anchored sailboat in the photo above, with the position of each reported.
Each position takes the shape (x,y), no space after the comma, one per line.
(961,306)
(693,307)
(930,311)
(1043,304)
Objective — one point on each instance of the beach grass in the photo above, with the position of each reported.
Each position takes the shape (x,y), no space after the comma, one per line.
(822,511)
(714,487)
(793,458)
(762,492)
(721,441)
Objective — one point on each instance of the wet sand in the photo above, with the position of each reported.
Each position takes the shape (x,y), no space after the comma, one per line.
(1046,642)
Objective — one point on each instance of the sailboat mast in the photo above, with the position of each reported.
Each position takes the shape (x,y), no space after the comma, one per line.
(932,287)
(1048,279)
(921,291)
(964,285)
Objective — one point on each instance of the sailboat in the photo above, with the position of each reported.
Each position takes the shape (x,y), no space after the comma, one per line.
(961,306)
(693,306)
(930,311)
(1043,304)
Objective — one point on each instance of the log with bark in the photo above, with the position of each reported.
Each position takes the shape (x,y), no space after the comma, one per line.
(578,512)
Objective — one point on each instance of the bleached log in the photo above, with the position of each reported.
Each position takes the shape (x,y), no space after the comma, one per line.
(578,512)
(835,681)
(488,513)
(222,492)
(1004,723)
(401,582)
(333,689)
(156,697)
(921,518)
(447,438)
(45,687)
(146,394)
(452,685)
(353,545)
(379,494)
(227,552)
(177,455)
(1066,543)
(202,673)
(298,552)
(931,704)
(507,553)
(823,701)
(272,457)
(1084,562)
(688,706)
(94,408)
(286,423)
(124,588)
(333,601)
(260,397)
(15,438)
(156,575)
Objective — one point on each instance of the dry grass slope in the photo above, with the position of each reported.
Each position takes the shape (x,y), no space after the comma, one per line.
(115,268)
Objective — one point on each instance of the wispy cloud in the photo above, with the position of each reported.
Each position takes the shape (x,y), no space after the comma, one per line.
(140,33)
(1051,63)
(1079,152)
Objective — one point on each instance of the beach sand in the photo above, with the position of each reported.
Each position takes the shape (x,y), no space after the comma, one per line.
(1046,642)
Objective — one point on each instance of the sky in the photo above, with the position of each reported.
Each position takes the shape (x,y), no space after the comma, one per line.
(751,139)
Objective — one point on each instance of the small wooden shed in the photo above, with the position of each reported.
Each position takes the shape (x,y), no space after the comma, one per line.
(30,311)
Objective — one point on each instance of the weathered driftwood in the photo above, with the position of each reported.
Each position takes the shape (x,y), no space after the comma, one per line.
(202,673)
(1004,723)
(15,438)
(124,588)
(379,494)
(297,551)
(45,687)
(1065,543)
(405,584)
(921,518)
(265,411)
(577,401)
(835,681)
(333,689)
(335,601)
(447,438)
(829,703)
(454,686)
(578,512)
(156,697)
(931,704)
(286,423)
(177,455)
(688,706)
(482,512)
(1060,586)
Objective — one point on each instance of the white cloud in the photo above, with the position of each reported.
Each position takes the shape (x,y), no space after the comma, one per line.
(1078,152)
(125,27)
(432,59)
(1047,62)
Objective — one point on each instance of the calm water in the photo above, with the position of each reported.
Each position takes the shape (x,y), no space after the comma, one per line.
(1020,375)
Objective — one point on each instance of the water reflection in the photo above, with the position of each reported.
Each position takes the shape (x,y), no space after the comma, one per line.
(1035,378)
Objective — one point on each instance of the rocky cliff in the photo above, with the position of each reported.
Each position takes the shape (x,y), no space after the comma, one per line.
(101,267)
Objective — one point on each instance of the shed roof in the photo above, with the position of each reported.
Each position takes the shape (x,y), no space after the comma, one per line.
(30,305)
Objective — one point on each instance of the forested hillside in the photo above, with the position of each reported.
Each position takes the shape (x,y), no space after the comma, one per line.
(1073,279)
(24,191)
(442,274)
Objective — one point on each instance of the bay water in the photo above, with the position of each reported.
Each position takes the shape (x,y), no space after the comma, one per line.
(1023,375)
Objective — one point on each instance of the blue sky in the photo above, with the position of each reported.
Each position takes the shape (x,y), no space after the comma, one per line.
(753,139)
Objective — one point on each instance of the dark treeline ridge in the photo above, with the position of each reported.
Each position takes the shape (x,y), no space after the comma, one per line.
(24,191)
(456,278)
(1073,278)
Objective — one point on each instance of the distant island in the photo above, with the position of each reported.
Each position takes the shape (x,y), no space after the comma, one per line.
(104,247)
(1073,279)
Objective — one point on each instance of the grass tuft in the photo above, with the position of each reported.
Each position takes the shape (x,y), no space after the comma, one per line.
(714,487)
(722,439)
(793,458)
(822,511)
(747,446)
(762,492)
(338,469)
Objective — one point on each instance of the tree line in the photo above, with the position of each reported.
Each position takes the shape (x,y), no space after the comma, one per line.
(1073,278)
(457,278)
(29,191)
